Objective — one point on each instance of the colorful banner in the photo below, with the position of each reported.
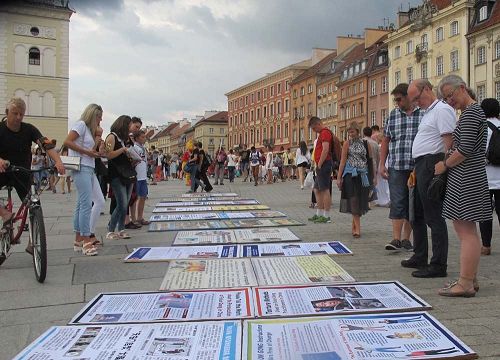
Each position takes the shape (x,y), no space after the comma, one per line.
(217,215)
(302,249)
(366,297)
(208,274)
(148,307)
(145,254)
(370,337)
(221,224)
(209,208)
(222,340)
(207,202)
(299,270)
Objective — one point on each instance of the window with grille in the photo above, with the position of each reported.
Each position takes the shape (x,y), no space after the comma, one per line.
(373,118)
(454,28)
(423,70)
(481,93)
(34,56)
(454,60)
(409,74)
(384,84)
(397,77)
(439,34)
(373,87)
(397,52)
(439,66)
(483,13)
(481,55)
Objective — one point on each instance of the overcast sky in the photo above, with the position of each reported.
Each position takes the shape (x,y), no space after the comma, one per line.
(163,60)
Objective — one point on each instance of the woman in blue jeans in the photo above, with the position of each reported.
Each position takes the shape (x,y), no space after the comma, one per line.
(118,160)
(83,142)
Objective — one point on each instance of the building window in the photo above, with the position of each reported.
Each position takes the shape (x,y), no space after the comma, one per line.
(287,105)
(397,52)
(454,28)
(309,88)
(497,90)
(409,74)
(258,95)
(302,91)
(302,138)
(384,84)
(246,100)
(483,13)
(221,131)
(271,109)
(211,130)
(397,77)
(264,111)
(481,93)
(354,89)
(272,90)
(252,98)
(363,65)
(383,116)
(481,55)
(439,66)
(211,141)
(251,115)
(439,34)
(286,130)
(373,87)
(278,108)
(278,131)
(373,118)
(454,60)
(361,86)
(279,88)
(265,93)
(246,116)
(287,85)
(409,47)
(423,70)
(310,109)
(34,56)
(294,136)
(241,119)
(361,108)
(497,50)
(302,112)
(295,94)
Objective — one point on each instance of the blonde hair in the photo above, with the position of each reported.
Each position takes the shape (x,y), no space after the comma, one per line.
(17,103)
(89,117)
(354,126)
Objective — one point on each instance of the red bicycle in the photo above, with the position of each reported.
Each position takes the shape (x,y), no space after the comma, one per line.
(29,212)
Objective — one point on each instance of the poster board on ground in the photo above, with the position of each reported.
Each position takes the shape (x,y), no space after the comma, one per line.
(209,208)
(415,335)
(204,195)
(207,203)
(138,341)
(300,249)
(365,297)
(217,215)
(299,270)
(147,254)
(208,274)
(221,224)
(149,307)
(210,198)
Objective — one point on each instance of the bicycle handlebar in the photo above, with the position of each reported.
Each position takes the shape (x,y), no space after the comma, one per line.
(14,168)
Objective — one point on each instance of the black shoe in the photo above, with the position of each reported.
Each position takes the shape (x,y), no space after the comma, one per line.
(413,263)
(406,245)
(430,272)
(131,226)
(394,245)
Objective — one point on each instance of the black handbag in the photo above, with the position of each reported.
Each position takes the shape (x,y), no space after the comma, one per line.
(437,187)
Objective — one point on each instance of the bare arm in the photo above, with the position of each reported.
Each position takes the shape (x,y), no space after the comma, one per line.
(343,160)
(384,151)
(110,144)
(448,141)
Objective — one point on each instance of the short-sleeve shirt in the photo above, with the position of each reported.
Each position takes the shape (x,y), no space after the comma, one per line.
(16,146)
(85,140)
(255,158)
(325,135)
(141,168)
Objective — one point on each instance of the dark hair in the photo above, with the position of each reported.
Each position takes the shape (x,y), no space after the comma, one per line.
(282,148)
(138,133)
(400,89)
(231,151)
(367,131)
(491,107)
(303,147)
(200,145)
(375,128)
(314,120)
(120,126)
(136,119)
(252,148)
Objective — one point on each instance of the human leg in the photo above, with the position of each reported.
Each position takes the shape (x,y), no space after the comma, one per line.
(98,200)
(117,220)
(300,169)
(255,174)
(269,176)
(399,206)
(83,210)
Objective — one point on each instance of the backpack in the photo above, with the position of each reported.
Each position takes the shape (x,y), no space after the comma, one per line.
(221,157)
(207,160)
(335,150)
(493,151)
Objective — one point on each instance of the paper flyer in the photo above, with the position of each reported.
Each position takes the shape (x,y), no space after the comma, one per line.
(299,270)
(148,307)
(208,274)
(138,341)
(217,215)
(209,208)
(414,335)
(366,297)
(145,254)
(302,249)
(207,202)
(221,224)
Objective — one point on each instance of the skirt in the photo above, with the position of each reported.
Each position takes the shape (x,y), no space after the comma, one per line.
(354,196)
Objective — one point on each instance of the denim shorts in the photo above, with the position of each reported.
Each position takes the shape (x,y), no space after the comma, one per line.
(323,176)
(141,188)
(398,190)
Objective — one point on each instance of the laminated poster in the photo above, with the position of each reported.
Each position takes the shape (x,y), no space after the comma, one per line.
(146,254)
(205,202)
(221,224)
(216,215)
(180,208)
(366,297)
(149,307)
(302,249)
(256,235)
(205,198)
(204,195)
(222,340)
(415,335)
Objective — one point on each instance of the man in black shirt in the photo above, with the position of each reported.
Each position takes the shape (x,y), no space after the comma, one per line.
(245,162)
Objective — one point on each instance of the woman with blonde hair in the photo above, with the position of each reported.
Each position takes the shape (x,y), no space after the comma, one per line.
(83,142)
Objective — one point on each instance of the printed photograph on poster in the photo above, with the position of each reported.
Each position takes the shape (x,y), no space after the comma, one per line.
(299,270)
(207,203)
(271,234)
(415,335)
(146,254)
(206,198)
(209,208)
(138,341)
(217,215)
(208,274)
(302,249)
(146,307)
(365,297)
(221,224)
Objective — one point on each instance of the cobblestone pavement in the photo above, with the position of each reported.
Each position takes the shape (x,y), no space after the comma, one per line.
(27,308)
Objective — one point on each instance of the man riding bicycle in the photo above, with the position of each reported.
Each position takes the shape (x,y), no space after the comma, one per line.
(16,139)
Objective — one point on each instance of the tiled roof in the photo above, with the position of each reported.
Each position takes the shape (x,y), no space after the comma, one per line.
(315,68)
(441,4)
(219,117)
(166,131)
(494,19)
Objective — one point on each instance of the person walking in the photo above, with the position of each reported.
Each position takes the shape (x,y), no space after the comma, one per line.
(287,164)
(466,200)
(82,142)
(354,179)
(302,161)
(255,164)
(245,163)
(399,132)
(193,167)
(269,164)
(231,164)
(491,110)
(204,164)
(220,161)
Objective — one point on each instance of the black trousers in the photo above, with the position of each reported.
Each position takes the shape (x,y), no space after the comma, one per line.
(486,227)
(202,175)
(429,213)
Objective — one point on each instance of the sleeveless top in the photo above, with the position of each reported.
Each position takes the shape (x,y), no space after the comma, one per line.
(356,156)
(121,160)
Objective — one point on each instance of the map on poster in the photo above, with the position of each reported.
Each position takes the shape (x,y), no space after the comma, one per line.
(211,198)
(366,297)
(146,254)
(415,335)
(207,203)
(302,249)
(205,237)
(299,270)
(221,224)
(217,215)
(138,341)
(142,307)
(210,208)
(208,274)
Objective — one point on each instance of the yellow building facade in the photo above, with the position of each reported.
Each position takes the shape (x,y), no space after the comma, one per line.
(34,62)
(430,42)
(212,132)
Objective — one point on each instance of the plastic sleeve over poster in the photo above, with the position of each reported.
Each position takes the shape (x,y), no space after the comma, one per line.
(302,249)
(145,254)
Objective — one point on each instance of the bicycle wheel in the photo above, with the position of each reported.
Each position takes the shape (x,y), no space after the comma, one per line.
(39,243)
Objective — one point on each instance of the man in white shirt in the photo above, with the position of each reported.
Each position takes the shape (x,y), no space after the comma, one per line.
(433,139)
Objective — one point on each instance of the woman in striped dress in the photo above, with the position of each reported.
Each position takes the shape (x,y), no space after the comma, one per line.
(467,196)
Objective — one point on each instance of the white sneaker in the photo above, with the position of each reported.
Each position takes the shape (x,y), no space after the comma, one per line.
(123,235)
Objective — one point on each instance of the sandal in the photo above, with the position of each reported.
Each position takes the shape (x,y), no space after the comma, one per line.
(112,236)
(123,235)
(466,293)
(88,249)
(354,235)
(95,241)
(452,283)
(144,222)
(77,246)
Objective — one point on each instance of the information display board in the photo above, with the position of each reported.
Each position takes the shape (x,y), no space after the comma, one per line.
(146,254)
(217,215)
(301,249)
(221,224)
(209,208)
(239,236)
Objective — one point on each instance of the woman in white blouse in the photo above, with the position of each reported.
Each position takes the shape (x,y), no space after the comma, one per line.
(302,161)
